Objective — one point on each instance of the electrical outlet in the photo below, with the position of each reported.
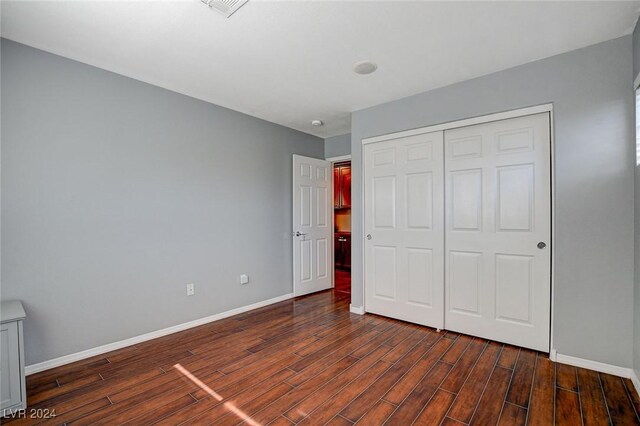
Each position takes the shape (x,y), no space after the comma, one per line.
(244,279)
(191,289)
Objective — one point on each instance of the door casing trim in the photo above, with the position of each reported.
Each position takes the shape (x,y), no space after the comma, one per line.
(498,116)
(333,161)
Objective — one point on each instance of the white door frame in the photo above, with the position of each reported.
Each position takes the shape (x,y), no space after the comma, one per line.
(470,122)
(333,161)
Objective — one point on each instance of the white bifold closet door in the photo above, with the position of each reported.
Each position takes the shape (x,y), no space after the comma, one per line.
(498,230)
(404,228)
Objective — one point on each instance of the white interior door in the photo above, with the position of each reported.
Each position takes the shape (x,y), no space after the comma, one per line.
(498,230)
(404,224)
(312,233)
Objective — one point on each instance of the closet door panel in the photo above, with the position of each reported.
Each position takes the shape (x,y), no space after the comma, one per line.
(404,258)
(498,230)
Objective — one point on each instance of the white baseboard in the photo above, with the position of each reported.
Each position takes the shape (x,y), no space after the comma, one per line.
(595,365)
(635,381)
(356,309)
(67,359)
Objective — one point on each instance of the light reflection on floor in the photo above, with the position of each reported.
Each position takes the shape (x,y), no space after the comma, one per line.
(228,405)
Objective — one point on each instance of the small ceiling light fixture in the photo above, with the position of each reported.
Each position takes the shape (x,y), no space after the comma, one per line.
(317,123)
(226,7)
(364,67)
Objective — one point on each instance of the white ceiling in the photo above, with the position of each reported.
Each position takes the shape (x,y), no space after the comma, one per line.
(290,62)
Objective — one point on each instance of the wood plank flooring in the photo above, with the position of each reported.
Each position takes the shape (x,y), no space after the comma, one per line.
(342,280)
(309,361)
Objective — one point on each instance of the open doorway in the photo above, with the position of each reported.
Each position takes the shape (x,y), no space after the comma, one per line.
(342,225)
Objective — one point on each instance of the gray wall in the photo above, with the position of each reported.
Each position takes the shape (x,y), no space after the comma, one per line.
(116,193)
(636,296)
(636,50)
(337,146)
(594,144)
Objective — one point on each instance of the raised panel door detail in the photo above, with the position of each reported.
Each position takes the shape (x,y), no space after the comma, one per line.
(420,272)
(514,284)
(419,198)
(465,148)
(342,247)
(465,277)
(466,200)
(322,253)
(385,272)
(305,206)
(420,151)
(386,157)
(321,206)
(5,369)
(345,186)
(336,187)
(321,173)
(346,247)
(512,141)
(305,170)
(514,198)
(384,202)
(10,369)
(306,253)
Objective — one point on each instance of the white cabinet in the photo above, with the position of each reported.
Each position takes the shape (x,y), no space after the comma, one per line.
(12,377)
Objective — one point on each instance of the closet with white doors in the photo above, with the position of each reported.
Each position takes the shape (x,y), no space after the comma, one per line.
(458,228)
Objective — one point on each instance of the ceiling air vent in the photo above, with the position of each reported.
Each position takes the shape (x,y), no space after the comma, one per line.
(226,7)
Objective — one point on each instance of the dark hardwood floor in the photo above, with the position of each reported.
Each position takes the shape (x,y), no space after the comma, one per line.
(342,281)
(309,361)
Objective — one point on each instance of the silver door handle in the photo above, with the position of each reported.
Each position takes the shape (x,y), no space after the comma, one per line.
(369,236)
(298,234)
(541,245)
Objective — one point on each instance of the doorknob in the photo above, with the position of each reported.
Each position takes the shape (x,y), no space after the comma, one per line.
(298,234)
(369,236)
(541,245)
